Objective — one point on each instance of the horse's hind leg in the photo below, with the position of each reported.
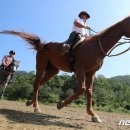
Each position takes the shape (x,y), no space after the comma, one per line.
(80,76)
(50,72)
(41,64)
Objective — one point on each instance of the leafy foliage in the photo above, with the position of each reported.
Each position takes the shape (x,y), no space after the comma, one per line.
(111,94)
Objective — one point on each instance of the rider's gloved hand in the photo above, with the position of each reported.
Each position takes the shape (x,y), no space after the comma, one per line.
(86,27)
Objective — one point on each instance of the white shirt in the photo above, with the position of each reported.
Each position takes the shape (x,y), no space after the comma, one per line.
(77,29)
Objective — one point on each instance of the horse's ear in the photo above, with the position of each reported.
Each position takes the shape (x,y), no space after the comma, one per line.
(19,62)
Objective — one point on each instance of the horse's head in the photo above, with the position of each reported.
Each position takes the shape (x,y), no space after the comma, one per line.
(126,28)
(13,67)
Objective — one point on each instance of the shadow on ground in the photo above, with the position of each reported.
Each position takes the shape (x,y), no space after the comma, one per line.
(36,119)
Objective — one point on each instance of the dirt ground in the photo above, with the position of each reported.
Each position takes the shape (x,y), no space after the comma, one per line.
(16,116)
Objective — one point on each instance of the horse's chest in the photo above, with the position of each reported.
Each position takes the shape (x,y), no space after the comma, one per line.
(94,64)
(98,63)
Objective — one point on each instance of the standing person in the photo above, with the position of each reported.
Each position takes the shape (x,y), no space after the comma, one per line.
(78,30)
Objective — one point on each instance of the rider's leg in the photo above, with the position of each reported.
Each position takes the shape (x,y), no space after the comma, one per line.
(67,45)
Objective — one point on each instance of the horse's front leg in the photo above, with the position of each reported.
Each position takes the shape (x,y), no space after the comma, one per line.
(3,90)
(89,93)
(4,84)
(34,100)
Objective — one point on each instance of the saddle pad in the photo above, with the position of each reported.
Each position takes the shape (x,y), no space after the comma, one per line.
(78,42)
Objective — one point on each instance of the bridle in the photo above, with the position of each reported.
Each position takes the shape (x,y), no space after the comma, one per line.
(118,44)
(127,40)
(99,41)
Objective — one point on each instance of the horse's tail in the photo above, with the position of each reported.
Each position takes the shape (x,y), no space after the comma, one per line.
(32,39)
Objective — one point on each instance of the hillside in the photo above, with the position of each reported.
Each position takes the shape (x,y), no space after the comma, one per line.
(112,95)
(123,79)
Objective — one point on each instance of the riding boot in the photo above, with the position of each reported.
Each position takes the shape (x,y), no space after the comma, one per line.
(67,45)
(70,54)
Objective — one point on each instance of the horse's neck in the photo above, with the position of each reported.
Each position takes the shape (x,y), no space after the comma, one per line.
(8,68)
(111,36)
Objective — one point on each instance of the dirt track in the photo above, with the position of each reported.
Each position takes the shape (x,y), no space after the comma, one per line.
(16,116)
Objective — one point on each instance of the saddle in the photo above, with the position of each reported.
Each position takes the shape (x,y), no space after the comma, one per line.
(73,41)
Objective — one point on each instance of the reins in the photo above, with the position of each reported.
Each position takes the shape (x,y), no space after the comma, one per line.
(119,43)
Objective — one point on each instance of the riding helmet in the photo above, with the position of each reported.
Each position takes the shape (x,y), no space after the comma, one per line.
(84,13)
(12,52)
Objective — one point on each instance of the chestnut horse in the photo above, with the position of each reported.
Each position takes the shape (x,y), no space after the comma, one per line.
(89,58)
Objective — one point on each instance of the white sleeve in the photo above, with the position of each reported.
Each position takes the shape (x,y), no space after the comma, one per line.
(77,20)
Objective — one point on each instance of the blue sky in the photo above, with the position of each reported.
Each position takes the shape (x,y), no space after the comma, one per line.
(52,21)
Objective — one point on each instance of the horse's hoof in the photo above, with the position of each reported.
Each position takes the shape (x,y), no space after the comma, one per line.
(37,111)
(28,103)
(96,119)
(60,105)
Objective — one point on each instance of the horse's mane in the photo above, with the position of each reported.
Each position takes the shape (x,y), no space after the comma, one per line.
(108,30)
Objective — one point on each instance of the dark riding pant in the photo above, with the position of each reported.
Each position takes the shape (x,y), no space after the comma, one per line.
(73,38)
